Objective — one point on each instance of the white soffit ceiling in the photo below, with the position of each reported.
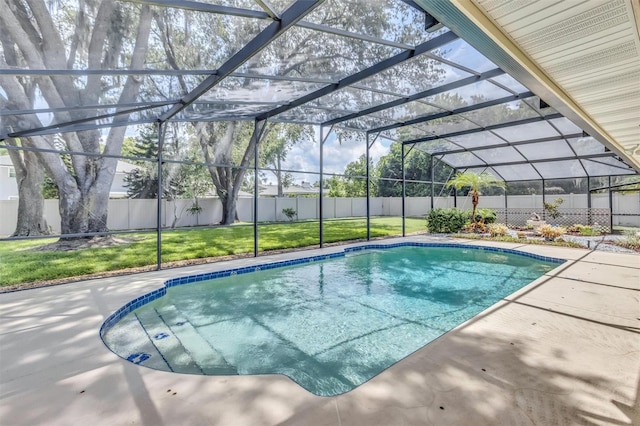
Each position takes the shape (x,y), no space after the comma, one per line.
(589,49)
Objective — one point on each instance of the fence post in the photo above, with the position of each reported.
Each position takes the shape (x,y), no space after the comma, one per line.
(589,218)
(404,194)
(368,192)
(159,191)
(544,211)
(432,177)
(610,207)
(506,208)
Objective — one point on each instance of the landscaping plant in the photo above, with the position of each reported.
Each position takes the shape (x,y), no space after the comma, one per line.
(552,208)
(631,240)
(475,182)
(497,229)
(485,216)
(289,213)
(551,232)
(446,221)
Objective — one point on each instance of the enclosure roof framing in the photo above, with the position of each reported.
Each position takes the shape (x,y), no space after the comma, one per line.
(209,8)
(368,72)
(482,129)
(475,94)
(569,58)
(453,112)
(505,144)
(289,17)
(419,95)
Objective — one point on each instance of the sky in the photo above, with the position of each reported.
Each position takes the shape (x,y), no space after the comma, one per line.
(306,156)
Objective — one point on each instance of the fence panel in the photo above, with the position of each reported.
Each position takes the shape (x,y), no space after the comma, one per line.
(307,208)
(598,218)
(119,221)
(142,214)
(359,207)
(417,206)
(328,208)
(284,203)
(244,210)
(125,214)
(376,206)
(395,206)
(342,207)
(266,209)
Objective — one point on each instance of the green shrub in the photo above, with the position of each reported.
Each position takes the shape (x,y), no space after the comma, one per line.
(588,231)
(289,213)
(446,221)
(584,230)
(485,215)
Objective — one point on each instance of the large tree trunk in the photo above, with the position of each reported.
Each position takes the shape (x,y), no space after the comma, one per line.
(29,177)
(84,184)
(228,192)
(229,209)
(279,176)
(217,154)
(74,219)
(84,198)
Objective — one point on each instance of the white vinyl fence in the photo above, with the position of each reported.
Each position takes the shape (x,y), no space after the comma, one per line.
(126,214)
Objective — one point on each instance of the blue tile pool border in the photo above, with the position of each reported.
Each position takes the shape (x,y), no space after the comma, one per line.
(189,279)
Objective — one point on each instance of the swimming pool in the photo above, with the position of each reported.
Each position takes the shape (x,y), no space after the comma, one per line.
(328,322)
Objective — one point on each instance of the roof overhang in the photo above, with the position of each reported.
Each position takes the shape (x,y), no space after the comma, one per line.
(590,73)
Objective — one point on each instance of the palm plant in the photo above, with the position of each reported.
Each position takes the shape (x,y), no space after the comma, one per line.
(475,182)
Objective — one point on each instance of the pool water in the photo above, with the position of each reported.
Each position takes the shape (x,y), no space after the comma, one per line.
(328,325)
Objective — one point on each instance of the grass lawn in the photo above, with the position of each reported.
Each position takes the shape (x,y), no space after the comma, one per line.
(20,264)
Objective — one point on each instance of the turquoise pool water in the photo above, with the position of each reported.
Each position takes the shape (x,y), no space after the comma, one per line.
(329,325)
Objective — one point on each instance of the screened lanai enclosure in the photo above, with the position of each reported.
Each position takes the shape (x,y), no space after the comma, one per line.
(153,132)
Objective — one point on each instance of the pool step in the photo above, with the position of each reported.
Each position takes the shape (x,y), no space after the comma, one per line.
(207,357)
(169,346)
(131,342)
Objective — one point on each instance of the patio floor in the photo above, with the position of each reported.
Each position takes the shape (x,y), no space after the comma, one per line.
(563,350)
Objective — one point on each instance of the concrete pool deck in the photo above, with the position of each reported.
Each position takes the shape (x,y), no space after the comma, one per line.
(563,350)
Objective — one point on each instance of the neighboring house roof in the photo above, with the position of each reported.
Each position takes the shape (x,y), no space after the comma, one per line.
(124,167)
(5,160)
(272,190)
(121,167)
(10,191)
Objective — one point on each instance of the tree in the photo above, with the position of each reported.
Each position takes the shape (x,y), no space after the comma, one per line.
(475,182)
(274,149)
(417,168)
(179,180)
(29,178)
(228,147)
(142,182)
(67,36)
(222,146)
(335,185)
(355,183)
